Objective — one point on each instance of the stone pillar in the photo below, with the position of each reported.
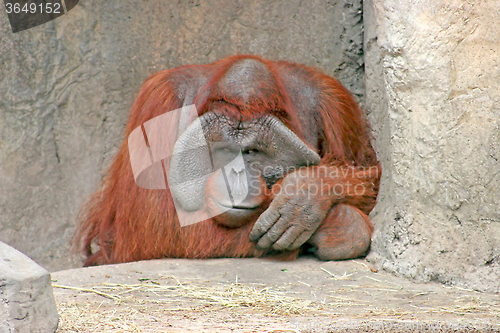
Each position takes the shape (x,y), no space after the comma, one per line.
(433,97)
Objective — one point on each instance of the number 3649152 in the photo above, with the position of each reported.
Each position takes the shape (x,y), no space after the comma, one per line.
(33,8)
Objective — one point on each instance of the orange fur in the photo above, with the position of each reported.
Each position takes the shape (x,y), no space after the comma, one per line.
(128,223)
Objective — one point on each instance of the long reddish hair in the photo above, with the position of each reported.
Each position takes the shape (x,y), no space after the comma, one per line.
(129,223)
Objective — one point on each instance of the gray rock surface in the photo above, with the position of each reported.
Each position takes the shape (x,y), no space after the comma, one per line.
(432,76)
(257,295)
(66,88)
(26,300)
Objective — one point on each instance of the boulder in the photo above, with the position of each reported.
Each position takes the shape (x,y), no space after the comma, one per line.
(26,299)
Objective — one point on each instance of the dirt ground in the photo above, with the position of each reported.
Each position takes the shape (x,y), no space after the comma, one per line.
(256,295)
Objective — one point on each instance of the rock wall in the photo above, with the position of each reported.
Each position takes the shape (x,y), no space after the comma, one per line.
(66,88)
(432,90)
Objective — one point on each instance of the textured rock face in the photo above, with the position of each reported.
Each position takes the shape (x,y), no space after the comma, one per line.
(26,299)
(66,88)
(433,70)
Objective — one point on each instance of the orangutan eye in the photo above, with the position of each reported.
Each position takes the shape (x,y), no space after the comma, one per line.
(250,151)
